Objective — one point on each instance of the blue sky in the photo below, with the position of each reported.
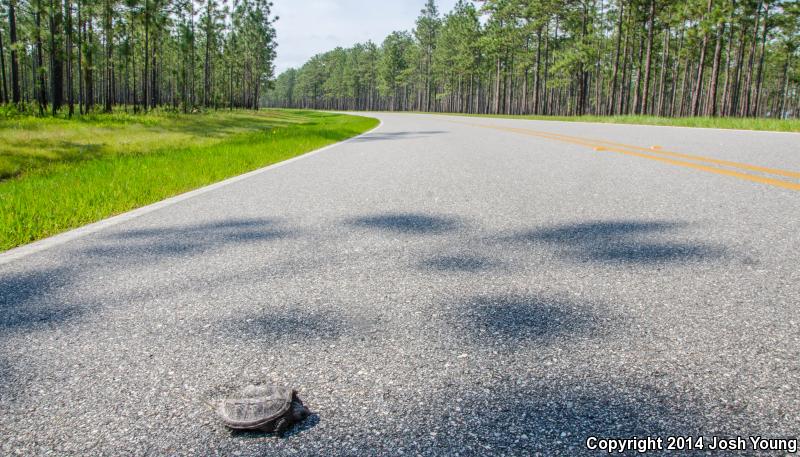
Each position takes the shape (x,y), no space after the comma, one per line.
(308,27)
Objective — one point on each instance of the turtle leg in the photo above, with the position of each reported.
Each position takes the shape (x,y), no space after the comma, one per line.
(281,426)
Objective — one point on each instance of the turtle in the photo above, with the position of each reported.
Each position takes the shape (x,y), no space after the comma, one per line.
(268,408)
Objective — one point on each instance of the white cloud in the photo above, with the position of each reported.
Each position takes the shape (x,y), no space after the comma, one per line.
(309,27)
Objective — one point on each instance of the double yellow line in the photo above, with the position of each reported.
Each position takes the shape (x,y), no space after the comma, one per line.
(670,157)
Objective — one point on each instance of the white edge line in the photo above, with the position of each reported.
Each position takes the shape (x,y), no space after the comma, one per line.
(56,240)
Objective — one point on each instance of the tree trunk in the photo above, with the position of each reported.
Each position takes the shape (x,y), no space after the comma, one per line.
(39,58)
(81,93)
(737,79)
(70,57)
(507,82)
(207,63)
(89,70)
(785,89)
(546,66)
(497,89)
(135,95)
(684,81)
(154,89)
(676,70)
(109,98)
(536,83)
(126,91)
(56,63)
(700,69)
(759,76)
(429,55)
(4,88)
(637,89)
(612,99)
(623,95)
(746,108)
(583,76)
(727,86)
(711,106)
(648,59)
(145,76)
(191,56)
(12,32)
(659,111)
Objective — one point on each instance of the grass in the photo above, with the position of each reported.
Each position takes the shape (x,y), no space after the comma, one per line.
(62,174)
(31,143)
(775,125)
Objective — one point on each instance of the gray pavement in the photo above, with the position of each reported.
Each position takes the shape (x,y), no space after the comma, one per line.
(435,288)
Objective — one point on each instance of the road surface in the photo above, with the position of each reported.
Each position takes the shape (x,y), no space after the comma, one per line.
(440,286)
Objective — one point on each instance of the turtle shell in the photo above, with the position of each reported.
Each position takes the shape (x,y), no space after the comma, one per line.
(259,408)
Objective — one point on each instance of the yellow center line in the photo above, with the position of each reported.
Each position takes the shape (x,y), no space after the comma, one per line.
(593,144)
(658,150)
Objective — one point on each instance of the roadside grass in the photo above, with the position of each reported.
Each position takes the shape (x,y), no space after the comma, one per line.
(68,173)
(30,143)
(775,125)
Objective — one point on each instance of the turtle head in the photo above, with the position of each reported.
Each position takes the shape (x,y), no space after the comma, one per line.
(298,411)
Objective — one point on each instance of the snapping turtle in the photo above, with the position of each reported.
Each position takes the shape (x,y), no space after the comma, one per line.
(271,409)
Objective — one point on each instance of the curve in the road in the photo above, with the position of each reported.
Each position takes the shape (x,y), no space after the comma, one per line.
(604,145)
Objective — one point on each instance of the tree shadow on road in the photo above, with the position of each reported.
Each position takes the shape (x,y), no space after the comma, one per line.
(35,297)
(504,320)
(550,415)
(410,223)
(619,242)
(388,136)
(285,325)
(24,301)
(458,263)
(557,416)
(185,240)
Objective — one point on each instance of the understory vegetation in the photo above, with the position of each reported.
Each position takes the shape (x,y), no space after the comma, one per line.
(62,174)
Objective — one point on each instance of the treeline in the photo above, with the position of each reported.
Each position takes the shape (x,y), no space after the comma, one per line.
(183,54)
(603,57)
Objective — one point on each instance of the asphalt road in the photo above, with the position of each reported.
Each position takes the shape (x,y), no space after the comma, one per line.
(440,286)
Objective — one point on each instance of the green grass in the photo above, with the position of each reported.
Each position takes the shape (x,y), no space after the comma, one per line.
(775,125)
(67,173)
(30,143)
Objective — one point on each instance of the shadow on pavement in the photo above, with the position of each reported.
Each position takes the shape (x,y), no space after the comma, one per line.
(387,136)
(547,415)
(24,299)
(556,417)
(458,263)
(152,244)
(311,421)
(293,324)
(413,223)
(620,242)
(224,226)
(515,319)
